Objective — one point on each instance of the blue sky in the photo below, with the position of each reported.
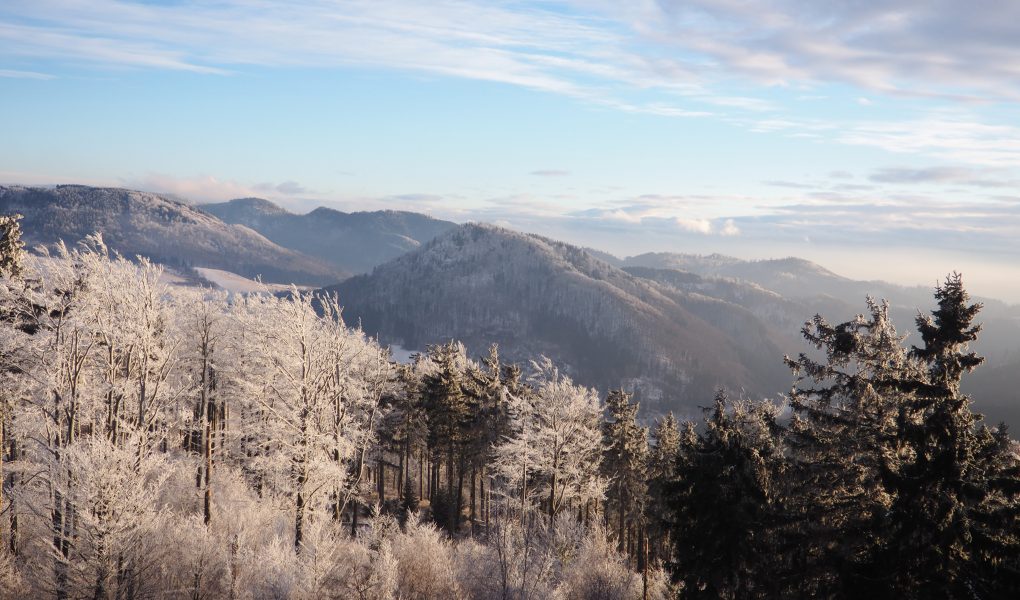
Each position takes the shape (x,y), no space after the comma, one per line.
(879,139)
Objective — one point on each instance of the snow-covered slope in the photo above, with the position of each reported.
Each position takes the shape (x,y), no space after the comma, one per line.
(163,229)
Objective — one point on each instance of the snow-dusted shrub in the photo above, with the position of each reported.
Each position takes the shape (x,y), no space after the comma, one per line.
(598,572)
(11,583)
(200,566)
(425,568)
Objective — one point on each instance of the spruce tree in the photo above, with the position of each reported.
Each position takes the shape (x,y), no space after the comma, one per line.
(953,525)
(897,490)
(723,502)
(624,464)
(842,437)
(661,465)
(447,410)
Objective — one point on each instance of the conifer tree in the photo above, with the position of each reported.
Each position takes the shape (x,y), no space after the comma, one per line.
(724,502)
(12,249)
(842,438)
(624,464)
(11,258)
(661,465)
(952,528)
(446,408)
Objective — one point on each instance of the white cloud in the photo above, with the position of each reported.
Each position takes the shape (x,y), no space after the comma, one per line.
(15,74)
(691,59)
(207,188)
(703,226)
(954,136)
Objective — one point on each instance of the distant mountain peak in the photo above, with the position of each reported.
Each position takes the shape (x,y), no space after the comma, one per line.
(260,205)
(355,242)
(164,229)
(482,284)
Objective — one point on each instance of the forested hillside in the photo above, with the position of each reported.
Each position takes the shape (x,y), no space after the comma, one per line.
(533,296)
(178,443)
(159,228)
(783,293)
(354,242)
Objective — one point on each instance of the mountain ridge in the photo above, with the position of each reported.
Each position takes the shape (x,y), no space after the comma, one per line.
(354,242)
(537,296)
(163,229)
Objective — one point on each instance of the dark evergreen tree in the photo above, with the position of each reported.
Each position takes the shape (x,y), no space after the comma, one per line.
(661,465)
(487,424)
(724,505)
(842,438)
(447,411)
(408,500)
(896,489)
(952,529)
(624,464)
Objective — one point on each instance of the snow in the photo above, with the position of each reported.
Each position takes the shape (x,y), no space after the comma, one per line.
(232,282)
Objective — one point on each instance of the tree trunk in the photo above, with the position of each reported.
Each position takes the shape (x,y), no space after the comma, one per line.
(3,453)
(14,509)
(474,475)
(484,499)
(552,493)
(400,471)
(449,470)
(59,519)
(210,430)
(381,483)
(643,560)
(621,513)
(299,519)
(460,496)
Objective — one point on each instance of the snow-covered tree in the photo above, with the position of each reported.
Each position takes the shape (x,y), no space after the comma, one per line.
(554,450)
(313,388)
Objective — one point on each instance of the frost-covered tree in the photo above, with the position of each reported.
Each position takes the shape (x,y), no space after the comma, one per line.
(313,388)
(554,451)
(111,533)
(446,409)
(953,526)
(897,489)
(661,464)
(12,249)
(207,354)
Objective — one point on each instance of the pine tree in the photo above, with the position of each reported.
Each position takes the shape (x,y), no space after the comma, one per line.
(952,529)
(897,490)
(408,500)
(447,411)
(724,505)
(661,466)
(842,438)
(624,465)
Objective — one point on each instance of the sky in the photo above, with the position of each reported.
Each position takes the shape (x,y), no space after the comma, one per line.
(879,139)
